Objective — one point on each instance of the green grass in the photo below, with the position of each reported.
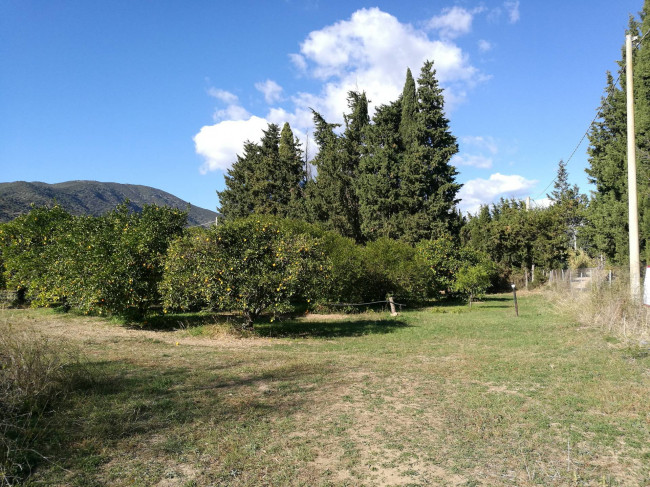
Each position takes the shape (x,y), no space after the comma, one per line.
(442,396)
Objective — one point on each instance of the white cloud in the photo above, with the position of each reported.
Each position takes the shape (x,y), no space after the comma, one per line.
(233,110)
(476,151)
(477,192)
(219,144)
(484,46)
(512,8)
(272,91)
(453,22)
(370,51)
(542,203)
(223,95)
(474,160)
(484,143)
(298,61)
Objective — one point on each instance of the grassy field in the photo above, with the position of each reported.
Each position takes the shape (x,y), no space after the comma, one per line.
(441,396)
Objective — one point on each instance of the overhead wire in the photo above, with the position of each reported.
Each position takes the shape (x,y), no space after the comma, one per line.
(597,116)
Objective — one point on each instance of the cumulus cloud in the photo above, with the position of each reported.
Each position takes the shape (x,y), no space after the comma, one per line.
(477,192)
(453,22)
(271,90)
(219,144)
(233,110)
(370,51)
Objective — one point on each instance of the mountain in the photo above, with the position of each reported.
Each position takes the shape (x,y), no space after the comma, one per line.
(91,198)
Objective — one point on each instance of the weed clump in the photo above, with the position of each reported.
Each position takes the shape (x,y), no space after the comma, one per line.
(35,374)
(607,305)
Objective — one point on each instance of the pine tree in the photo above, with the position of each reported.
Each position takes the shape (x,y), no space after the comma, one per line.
(642,122)
(608,209)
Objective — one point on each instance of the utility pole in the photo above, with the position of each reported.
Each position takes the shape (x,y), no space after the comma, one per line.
(633,213)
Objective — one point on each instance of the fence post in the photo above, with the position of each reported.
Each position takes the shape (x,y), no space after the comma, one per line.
(532,274)
(526,278)
(392,306)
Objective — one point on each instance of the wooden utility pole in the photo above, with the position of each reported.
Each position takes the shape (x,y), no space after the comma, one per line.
(633,213)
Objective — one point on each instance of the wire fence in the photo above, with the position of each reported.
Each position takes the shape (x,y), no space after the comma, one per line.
(583,279)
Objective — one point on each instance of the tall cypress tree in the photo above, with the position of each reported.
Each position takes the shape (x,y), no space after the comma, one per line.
(266,179)
(428,187)
(237,200)
(379,180)
(608,208)
(332,197)
(291,174)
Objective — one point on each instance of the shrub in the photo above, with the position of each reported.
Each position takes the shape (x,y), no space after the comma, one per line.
(473,280)
(254,265)
(394,269)
(442,259)
(187,272)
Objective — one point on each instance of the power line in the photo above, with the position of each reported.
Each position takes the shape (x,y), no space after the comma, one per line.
(584,136)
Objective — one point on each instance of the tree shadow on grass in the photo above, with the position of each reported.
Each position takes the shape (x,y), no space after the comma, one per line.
(176,321)
(148,407)
(328,329)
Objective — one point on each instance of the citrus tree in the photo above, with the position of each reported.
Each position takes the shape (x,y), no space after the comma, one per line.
(26,242)
(253,265)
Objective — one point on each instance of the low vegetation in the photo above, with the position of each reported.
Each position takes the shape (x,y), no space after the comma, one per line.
(607,306)
(440,396)
(36,373)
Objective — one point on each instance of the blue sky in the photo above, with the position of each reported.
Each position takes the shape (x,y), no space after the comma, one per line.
(163,93)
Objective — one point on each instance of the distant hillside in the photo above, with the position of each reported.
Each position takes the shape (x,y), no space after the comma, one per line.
(90,198)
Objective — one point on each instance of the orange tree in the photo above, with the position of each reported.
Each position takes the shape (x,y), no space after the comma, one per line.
(254,265)
(26,242)
(110,264)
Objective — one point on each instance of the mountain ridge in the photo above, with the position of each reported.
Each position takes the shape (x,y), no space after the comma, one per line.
(95,198)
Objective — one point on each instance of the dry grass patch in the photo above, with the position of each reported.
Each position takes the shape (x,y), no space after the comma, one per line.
(450,397)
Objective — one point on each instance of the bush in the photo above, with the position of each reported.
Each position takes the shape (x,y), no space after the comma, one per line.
(441,258)
(186,269)
(35,373)
(254,265)
(473,280)
(394,269)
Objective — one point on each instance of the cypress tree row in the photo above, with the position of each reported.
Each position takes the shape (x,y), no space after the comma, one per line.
(267,179)
(389,178)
